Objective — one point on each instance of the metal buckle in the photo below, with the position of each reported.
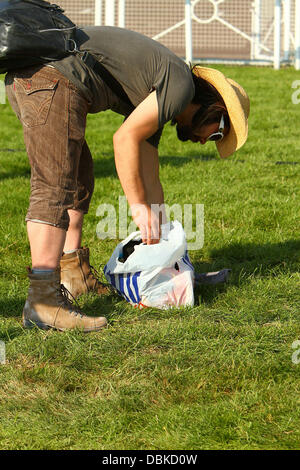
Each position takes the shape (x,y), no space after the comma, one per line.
(69,44)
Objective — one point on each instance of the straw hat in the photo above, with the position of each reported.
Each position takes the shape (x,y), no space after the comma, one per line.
(238,107)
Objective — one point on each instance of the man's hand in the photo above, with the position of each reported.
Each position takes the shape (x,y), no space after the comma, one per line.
(147,221)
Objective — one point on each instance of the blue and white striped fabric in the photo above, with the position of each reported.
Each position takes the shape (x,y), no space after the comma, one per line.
(187,260)
(126,285)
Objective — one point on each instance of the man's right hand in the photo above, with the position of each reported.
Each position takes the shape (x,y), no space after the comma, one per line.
(147,221)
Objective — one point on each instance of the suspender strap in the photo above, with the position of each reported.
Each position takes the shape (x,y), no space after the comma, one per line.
(107,77)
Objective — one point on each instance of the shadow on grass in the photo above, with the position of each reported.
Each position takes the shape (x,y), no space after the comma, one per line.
(105,167)
(20,172)
(91,304)
(265,256)
(12,308)
(16,169)
(246,260)
(175,160)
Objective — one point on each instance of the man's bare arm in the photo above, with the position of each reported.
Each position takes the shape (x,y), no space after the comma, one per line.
(129,145)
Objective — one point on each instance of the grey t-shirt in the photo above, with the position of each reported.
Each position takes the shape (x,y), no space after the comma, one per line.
(140,64)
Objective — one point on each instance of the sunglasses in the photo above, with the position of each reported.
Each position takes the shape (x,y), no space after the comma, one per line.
(216,136)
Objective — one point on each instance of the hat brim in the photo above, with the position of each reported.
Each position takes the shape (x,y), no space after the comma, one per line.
(238,106)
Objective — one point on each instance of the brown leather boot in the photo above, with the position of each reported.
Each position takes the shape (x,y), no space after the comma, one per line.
(78,276)
(47,306)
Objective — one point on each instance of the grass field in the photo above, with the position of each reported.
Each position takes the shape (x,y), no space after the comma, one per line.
(216,376)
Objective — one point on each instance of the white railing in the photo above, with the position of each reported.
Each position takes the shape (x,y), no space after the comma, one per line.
(284,43)
(109,7)
(243,31)
(297,35)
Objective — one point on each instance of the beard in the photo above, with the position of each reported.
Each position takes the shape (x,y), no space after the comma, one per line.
(183,133)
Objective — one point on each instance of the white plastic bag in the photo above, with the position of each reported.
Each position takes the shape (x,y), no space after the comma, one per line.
(159,275)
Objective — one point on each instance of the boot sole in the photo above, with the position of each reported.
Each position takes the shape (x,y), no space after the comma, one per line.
(43,326)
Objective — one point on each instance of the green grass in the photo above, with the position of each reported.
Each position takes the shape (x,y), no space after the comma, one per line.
(216,376)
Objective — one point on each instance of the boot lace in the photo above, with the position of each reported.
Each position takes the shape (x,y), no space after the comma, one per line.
(65,300)
(97,276)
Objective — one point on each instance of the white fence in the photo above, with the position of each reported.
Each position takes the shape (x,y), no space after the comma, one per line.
(239,31)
